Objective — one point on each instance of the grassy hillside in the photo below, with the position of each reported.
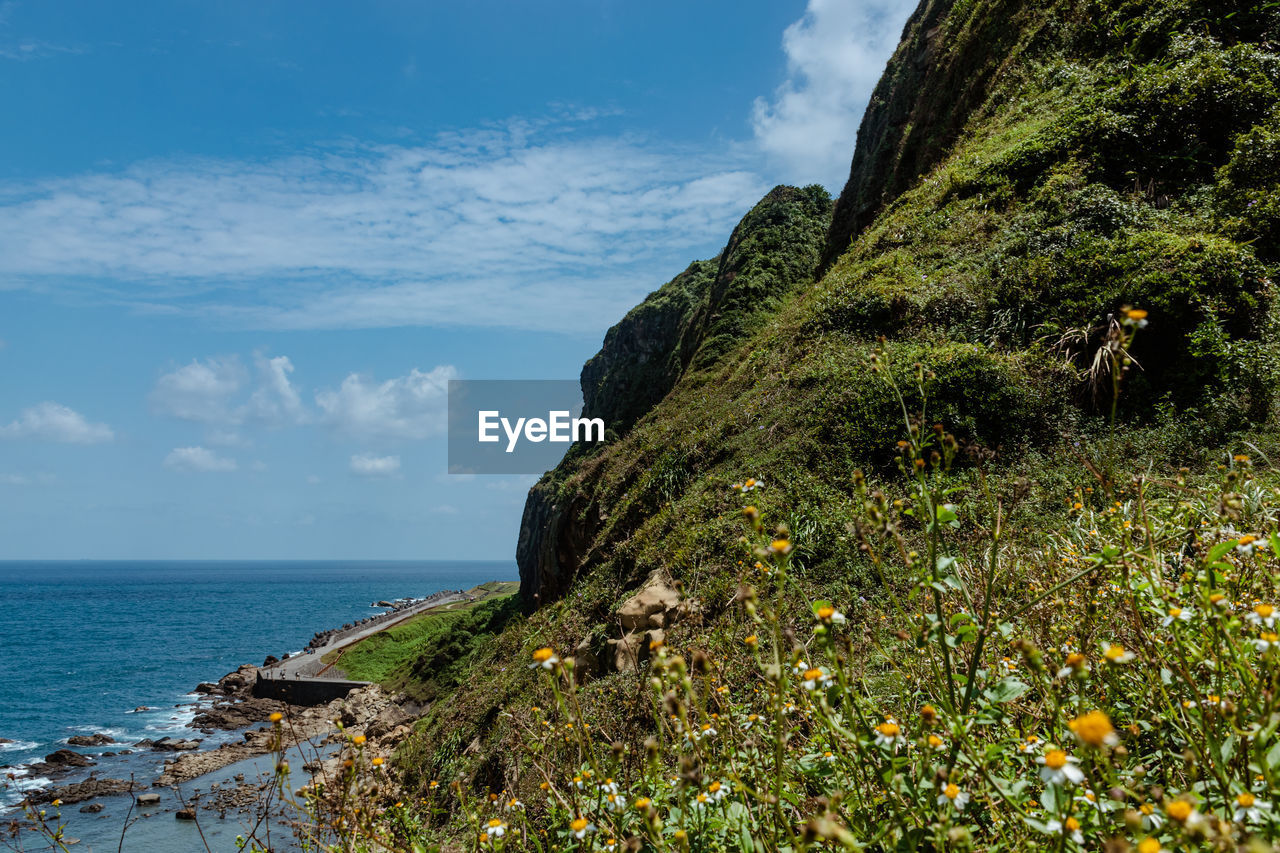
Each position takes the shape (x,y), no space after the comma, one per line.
(1058,245)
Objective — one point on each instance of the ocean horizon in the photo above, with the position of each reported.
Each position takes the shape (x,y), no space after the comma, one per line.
(90,641)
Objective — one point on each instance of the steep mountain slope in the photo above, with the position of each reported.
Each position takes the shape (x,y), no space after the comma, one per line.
(1024,172)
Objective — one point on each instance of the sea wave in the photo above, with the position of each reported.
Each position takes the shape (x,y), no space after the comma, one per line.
(18,746)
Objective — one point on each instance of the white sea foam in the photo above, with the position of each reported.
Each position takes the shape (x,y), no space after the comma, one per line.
(17,746)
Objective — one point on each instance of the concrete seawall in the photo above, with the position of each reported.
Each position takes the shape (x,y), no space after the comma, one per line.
(304,691)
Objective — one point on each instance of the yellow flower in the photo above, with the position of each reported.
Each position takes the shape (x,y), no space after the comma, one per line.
(276,717)
(1179,810)
(751,641)
(1148,845)
(545,657)
(642,804)
(358,740)
(1136,314)
(1094,728)
(377,762)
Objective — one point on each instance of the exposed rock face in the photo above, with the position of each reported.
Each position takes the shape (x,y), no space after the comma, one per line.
(645,353)
(686,324)
(96,739)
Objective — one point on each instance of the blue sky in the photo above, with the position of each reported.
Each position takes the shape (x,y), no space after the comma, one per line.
(243,246)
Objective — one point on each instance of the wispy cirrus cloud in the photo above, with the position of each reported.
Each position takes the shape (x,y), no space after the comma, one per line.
(366,465)
(527,225)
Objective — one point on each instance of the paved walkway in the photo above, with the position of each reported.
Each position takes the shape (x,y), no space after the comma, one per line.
(309,664)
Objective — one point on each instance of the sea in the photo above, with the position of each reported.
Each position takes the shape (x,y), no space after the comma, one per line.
(86,643)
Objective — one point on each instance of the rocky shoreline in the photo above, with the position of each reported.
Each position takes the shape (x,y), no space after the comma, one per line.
(227,705)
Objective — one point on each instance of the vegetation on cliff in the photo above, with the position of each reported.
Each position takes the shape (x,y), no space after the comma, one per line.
(1058,242)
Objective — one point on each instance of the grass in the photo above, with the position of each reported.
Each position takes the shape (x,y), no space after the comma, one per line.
(388,656)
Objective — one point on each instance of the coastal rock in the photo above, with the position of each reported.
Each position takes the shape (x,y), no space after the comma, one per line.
(5,740)
(168,744)
(652,607)
(206,687)
(95,739)
(67,758)
(78,792)
(185,814)
(92,808)
(148,799)
(140,709)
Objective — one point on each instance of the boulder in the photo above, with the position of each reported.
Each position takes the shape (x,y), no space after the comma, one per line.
(92,808)
(649,608)
(67,758)
(148,799)
(95,739)
(185,814)
(206,687)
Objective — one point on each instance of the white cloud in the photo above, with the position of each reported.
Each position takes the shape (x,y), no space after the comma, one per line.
(276,401)
(200,391)
(528,225)
(835,55)
(55,422)
(366,465)
(198,459)
(411,406)
(209,392)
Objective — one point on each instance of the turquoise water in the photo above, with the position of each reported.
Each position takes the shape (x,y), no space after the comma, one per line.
(85,643)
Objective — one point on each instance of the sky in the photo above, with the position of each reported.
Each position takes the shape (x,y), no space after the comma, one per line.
(245,245)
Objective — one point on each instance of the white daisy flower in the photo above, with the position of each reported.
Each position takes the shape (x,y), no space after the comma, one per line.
(889,734)
(1267,641)
(1059,768)
(581,827)
(1177,614)
(1262,614)
(815,678)
(953,796)
(1071,829)
(1249,809)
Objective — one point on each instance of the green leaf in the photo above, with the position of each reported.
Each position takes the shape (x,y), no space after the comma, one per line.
(1273,756)
(1006,690)
(1217,551)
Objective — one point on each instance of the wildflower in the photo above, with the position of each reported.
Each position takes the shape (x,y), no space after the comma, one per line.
(1090,799)
(544,658)
(642,804)
(1249,808)
(1263,614)
(1217,599)
(496,828)
(1071,829)
(1248,544)
(611,844)
(929,714)
(1177,614)
(56,803)
(580,827)
(609,786)
(1150,845)
(1267,641)
(781,546)
(828,757)
(513,805)
(434,784)
(1095,729)
(752,719)
(816,678)
(378,762)
(1180,810)
(830,615)
(1135,317)
(276,717)
(717,791)
(1151,818)
(952,795)
(358,740)
(1030,745)
(1074,663)
(936,743)
(1116,653)
(751,641)
(1060,768)
(614,803)
(889,734)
